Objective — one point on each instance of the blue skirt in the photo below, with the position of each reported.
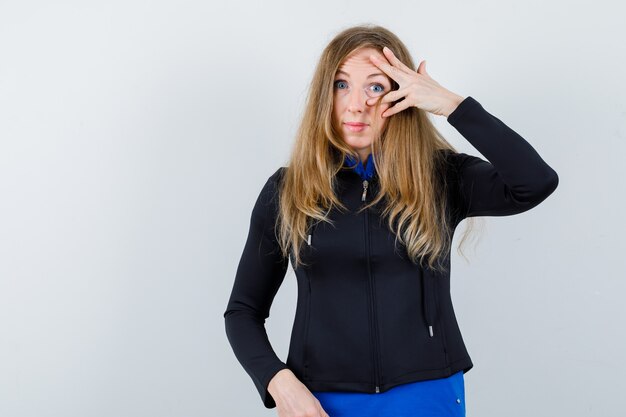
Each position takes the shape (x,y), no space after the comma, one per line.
(442,397)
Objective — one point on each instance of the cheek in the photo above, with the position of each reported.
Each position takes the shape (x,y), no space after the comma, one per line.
(336,117)
(379,125)
(381,109)
(338,107)
(383,123)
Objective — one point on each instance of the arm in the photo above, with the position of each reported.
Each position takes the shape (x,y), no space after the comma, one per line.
(514,180)
(259,275)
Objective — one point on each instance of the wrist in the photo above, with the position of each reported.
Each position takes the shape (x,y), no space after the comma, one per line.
(274,386)
(455,100)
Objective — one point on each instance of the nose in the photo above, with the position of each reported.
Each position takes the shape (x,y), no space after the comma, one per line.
(356,100)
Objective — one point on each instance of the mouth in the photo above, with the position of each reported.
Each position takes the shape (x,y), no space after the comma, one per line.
(355,127)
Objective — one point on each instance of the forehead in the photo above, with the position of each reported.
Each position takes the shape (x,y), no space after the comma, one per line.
(359,61)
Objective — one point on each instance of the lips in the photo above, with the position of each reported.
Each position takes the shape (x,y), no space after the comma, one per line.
(355,126)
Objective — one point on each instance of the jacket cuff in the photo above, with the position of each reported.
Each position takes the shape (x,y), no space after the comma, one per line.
(266,397)
(466,105)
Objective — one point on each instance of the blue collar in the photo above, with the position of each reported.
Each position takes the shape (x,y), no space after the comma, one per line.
(366,172)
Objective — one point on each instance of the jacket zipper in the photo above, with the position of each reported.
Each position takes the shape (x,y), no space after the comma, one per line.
(371,283)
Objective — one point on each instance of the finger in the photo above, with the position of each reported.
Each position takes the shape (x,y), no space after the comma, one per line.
(397,108)
(394,95)
(394,60)
(322,411)
(389,97)
(421,69)
(394,72)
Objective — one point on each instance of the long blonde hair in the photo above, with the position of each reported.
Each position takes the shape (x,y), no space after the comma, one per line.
(406,159)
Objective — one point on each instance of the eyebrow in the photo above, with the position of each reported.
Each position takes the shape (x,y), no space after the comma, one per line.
(369,76)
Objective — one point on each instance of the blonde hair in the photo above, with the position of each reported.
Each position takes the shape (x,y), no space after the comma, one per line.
(406,159)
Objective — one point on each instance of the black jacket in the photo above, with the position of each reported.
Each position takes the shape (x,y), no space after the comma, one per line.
(367,319)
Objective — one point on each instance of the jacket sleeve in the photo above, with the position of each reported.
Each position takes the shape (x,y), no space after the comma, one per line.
(259,275)
(513,180)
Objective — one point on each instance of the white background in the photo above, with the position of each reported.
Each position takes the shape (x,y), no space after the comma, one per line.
(135,137)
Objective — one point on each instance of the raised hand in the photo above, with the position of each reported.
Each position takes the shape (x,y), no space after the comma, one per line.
(417,88)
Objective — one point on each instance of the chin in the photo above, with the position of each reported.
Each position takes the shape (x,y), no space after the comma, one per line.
(358,145)
(360,141)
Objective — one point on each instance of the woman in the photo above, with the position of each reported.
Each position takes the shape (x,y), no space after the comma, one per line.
(366,211)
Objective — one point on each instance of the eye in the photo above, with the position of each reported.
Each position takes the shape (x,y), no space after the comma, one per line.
(338,84)
(377,89)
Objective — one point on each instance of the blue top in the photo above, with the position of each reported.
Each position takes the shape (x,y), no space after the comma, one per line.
(441,397)
(366,172)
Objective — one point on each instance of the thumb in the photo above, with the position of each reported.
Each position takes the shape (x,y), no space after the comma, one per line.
(422,68)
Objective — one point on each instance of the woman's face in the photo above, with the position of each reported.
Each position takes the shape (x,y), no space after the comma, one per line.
(356,80)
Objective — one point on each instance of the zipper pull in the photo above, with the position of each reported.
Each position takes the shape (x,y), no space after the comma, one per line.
(364,190)
(377,389)
(309,240)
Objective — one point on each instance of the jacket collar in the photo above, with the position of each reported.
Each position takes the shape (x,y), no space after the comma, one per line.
(366,172)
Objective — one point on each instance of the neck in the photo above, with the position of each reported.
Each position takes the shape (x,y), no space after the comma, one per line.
(363,155)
